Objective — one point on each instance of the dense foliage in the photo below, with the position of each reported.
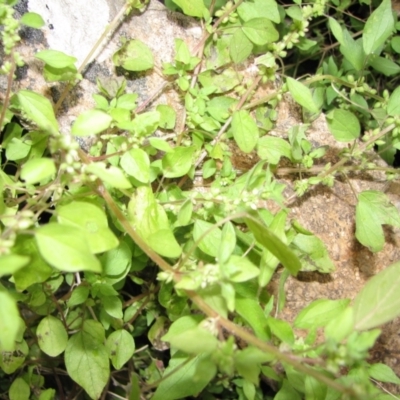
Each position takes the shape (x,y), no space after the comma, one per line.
(121,278)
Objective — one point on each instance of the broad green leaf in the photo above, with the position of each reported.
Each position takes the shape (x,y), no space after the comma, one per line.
(353,51)
(190,376)
(344,125)
(55,58)
(185,214)
(11,263)
(259,9)
(385,66)
(193,8)
(224,81)
(136,163)
(163,242)
(282,330)
(378,301)
(19,390)
(319,313)
(378,27)
(239,269)
(10,321)
(218,107)
(271,242)
(373,210)
(87,363)
(228,242)
(39,110)
(181,325)
(37,170)
(248,363)
(271,149)
(341,326)
(92,220)
(240,47)
(383,373)
(134,55)
(120,346)
(66,248)
(260,31)
(52,336)
(116,261)
(393,107)
(91,122)
(178,162)
(112,176)
(167,116)
(160,144)
(33,20)
(302,95)
(52,74)
(336,29)
(182,53)
(210,243)
(112,306)
(245,131)
(79,295)
(314,389)
(17,149)
(251,311)
(12,358)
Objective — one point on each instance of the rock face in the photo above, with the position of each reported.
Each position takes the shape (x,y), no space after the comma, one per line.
(328,212)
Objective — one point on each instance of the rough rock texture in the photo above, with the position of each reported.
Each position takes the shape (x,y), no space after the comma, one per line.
(328,212)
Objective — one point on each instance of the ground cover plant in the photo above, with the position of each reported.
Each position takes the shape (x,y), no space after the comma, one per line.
(121,279)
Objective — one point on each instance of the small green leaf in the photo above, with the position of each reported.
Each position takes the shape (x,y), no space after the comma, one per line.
(259,9)
(91,122)
(239,269)
(79,295)
(55,58)
(193,8)
(385,66)
(145,124)
(344,125)
(393,107)
(163,242)
(11,263)
(228,242)
(383,373)
(19,390)
(86,360)
(240,47)
(92,220)
(271,149)
(282,330)
(136,163)
(341,326)
(113,176)
(182,53)
(10,321)
(134,55)
(37,170)
(116,261)
(32,20)
(167,116)
(120,346)
(373,210)
(178,162)
(112,306)
(260,31)
(319,313)
(251,311)
(378,301)
(353,51)
(378,27)
(245,131)
(66,248)
(302,95)
(210,243)
(39,110)
(52,336)
(336,29)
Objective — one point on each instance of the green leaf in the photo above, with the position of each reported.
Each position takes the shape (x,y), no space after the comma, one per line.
(145,124)
(120,346)
(79,295)
(373,210)
(52,336)
(86,360)
(19,390)
(113,176)
(193,8)
(10,321)
(134,55)
(178,162)
(378,27)
(12,358)
(167,116)
(245,131)
(353,51)
(378,302)
(228,242)
(314,389)
(66,248)
(39,110)
(282,330)
(239,269)
(319,313)
(91,122)
(251,311)
(336,29)
(33,20)
(116,261)
(211,242)
(271,242)
(185,377)
(341,326)
(163,242)
(11,263)
(259,9)
(393,107)
(37,170)
(385,66)
(271,149)
(240,47)
(302,95)
(383,373)
(260,31)
(181,325)
(55,58)
(136,163)
(344,125)
(92,220)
